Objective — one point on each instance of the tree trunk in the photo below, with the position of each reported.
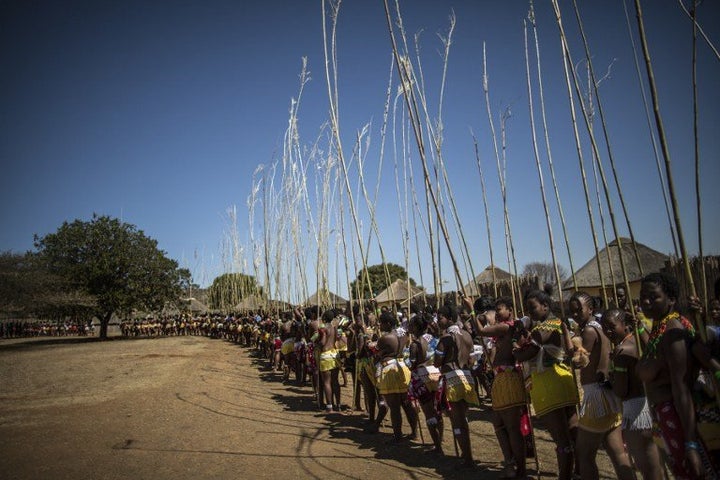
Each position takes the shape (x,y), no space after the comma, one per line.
(104,321)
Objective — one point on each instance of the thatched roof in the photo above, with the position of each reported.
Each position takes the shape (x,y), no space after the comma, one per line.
(588,276)
(280,305)
(195,306)
(398,291)
(325,298)
(251,302)
(486,278)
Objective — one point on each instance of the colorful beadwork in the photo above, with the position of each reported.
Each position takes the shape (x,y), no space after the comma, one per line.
(658,331)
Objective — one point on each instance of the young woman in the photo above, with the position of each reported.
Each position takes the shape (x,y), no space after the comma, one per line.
(600,418)
(508,394)
(619,326)
(668,370)
(393,377)
(452,357)
(553,391)
(424,377)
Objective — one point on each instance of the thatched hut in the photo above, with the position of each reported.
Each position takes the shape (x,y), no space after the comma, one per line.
(399,292)
(251,303)
(195,306)
(589,278)
(482,283)
(325,298)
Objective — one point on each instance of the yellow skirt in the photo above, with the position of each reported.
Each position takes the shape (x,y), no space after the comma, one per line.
(288,346)
(508,390)
(328,360)
(392,377)
(553,388)
(459,386)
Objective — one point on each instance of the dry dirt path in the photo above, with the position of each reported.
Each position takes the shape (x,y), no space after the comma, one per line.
(188,408)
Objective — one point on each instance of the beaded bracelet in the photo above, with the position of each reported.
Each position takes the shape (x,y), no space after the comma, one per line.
(472,312)
(640,329)
(692,446)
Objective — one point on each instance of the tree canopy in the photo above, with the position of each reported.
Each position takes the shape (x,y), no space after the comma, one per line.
(544,271)
(379,280)
(229,289)
(115,263)
(28,290)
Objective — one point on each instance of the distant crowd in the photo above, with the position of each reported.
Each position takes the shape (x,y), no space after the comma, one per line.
(29,329)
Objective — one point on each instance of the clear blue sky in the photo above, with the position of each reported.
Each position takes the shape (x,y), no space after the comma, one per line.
(159,112)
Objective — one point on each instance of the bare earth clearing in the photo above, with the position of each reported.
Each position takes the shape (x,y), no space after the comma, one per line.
(185,408)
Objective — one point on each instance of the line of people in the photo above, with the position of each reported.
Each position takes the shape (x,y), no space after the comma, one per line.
(650,404)
(25,329)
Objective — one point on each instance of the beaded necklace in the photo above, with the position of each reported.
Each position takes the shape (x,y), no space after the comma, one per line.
(550,325)
(658,331)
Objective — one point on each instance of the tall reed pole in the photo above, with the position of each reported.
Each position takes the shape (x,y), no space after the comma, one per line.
(434,254)
(699,29)
(331,81)
(606,135)
(252,200)
(266,235)
(371,209)
(435,133)
(548,150)
(668,168)
(603,228)
(581,161)
(653,139)
(487,215)
(405,78)
(697,155)
(536,152)
(417,213)
(593,142)
(501,177)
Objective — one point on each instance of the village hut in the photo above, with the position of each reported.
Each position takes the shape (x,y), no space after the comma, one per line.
(196,307)
(251,303)
(482,283)
(399,292)
(589,279)
(280,305)
(325,298)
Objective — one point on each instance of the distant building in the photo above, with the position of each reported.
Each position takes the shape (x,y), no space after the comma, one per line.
(482,284)
(588,277)
(399,292)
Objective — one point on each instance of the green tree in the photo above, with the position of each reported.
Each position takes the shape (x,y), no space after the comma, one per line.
(229,289)
(378,279)
(544,271)
(27,289)
(115,263)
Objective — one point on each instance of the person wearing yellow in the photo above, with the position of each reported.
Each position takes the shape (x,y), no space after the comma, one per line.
(328,363)
(393,377)
(508,395)
(600,410)
(452,357)
(553,391)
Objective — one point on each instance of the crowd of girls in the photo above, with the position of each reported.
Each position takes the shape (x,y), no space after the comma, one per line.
(638,383)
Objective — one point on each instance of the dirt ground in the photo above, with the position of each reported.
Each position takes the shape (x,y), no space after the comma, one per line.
(188,408)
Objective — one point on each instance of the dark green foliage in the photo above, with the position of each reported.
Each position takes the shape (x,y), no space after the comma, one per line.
(379,280)
(120,267)
(229,289)
(28,290)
